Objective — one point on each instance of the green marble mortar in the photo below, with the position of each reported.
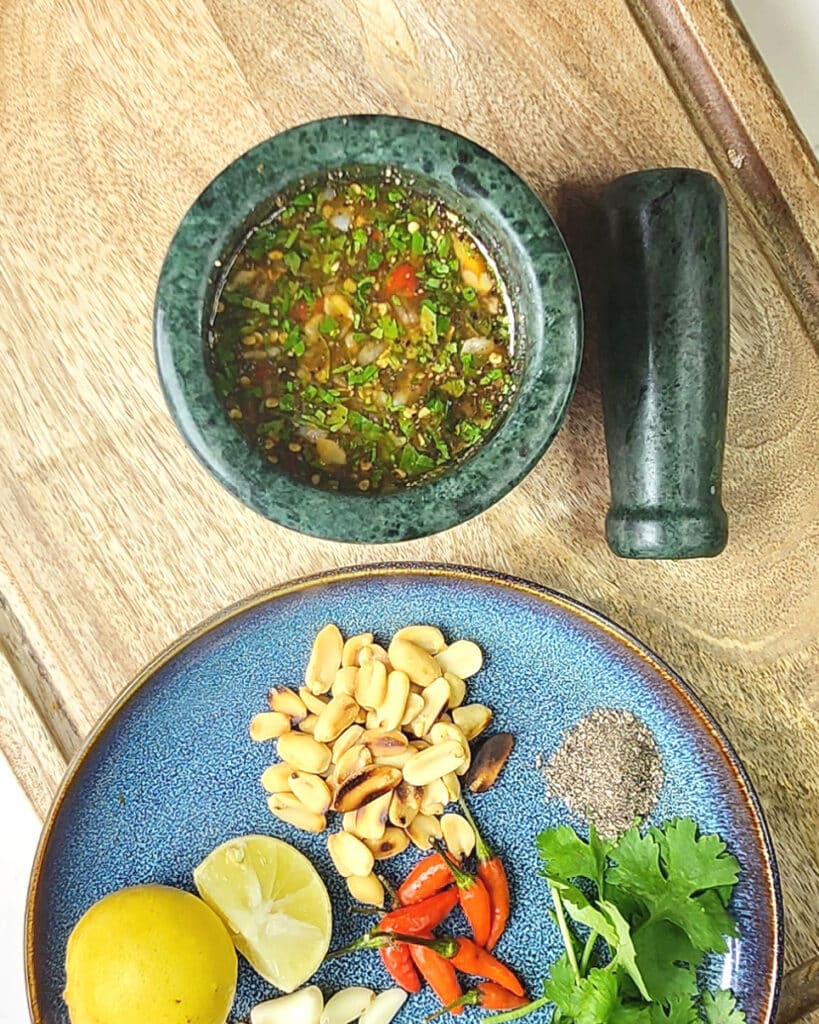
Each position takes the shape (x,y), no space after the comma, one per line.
(664,363)
(501,209)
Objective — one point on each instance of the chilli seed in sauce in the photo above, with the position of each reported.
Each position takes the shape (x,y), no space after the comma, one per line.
(361,338)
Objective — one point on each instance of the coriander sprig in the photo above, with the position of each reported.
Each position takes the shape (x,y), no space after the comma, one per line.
(645,910)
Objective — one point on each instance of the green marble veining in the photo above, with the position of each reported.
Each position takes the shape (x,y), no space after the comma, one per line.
(664,363)
(503,212)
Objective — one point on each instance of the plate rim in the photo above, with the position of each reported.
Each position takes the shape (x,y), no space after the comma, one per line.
(707,723)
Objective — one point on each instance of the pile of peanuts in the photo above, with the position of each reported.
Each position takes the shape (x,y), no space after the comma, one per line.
(380,736)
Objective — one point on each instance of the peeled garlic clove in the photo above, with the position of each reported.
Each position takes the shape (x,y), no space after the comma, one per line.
(347,1005)
(302,1007)
(384,1007)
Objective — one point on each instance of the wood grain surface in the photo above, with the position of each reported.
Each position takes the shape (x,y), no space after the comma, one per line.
(113,540)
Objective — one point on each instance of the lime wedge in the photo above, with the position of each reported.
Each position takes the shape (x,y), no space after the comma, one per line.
(274,904)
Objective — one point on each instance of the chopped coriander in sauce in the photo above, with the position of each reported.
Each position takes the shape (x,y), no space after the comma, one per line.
(361,337)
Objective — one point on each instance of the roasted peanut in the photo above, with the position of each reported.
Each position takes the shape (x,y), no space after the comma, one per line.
(366,785)
(308,725)
(436,696)
(287,703)
(449,731)
(304,753)
(325,659)
(423,829)
(420,666)
(371,685)
(299,817)
(344,682)
(349,653)
(464,658)
(371,819)
(349,854)
(268,725)
(394,841)
(312,701)
(372,652)
(435,797)
(276,778)
(350,763)
(405,804)
(453,786)
(351,735)
(313,791)
(457,690)
(433,763)
(335,718)
(366,890)
(415,705)
(472,719)
(428,638)
(459,835)
(391,710)
(348,821)
(383,743)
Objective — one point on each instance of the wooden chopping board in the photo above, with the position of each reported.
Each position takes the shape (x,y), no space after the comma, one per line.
(113,540)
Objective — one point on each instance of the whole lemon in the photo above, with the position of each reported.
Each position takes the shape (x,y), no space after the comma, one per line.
(150,954)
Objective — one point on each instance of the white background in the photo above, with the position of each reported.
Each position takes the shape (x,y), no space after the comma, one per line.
(787,34)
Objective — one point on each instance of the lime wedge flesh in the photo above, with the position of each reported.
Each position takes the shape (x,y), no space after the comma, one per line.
(274,904)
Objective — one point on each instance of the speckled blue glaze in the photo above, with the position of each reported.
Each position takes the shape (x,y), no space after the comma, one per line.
(170,771)
(502,211)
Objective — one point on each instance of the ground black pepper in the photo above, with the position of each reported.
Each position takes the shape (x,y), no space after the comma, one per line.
(608,769)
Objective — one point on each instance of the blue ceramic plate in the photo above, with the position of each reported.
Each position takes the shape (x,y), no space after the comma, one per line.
(170,772)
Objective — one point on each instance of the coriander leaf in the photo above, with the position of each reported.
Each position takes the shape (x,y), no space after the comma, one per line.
(566,855)
(721,1008)
(561,986)
(667,960)
(676,893)
(679,1009)
(579,909)
(598,998)
(624,951)
(630,1013)
(702,863)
